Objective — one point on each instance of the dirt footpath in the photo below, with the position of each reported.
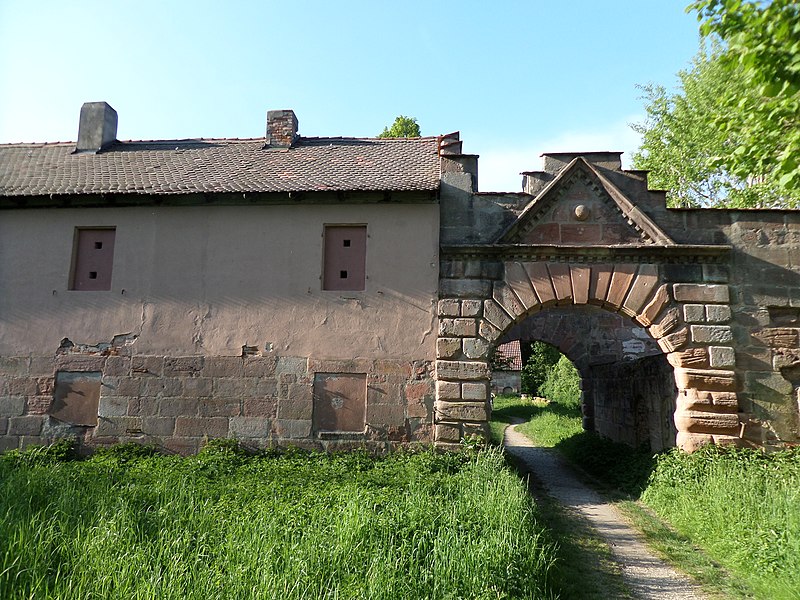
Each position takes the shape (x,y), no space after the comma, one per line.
(646,574)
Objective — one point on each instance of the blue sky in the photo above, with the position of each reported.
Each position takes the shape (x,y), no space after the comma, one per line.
(516,78)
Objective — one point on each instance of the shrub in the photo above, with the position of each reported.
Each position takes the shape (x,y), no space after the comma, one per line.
(563,383)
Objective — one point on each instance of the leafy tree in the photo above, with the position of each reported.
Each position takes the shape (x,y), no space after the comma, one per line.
(682,142)
(499,361)
(730,135)
(762,42)
(563,383)
(403,127)
(543,357)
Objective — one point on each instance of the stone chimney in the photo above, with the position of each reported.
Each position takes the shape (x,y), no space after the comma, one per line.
(281,128)
(97,128)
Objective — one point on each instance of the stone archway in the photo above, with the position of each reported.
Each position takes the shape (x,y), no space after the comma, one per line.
(690,322)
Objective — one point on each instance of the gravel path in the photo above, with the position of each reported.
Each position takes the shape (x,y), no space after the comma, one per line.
(646,574)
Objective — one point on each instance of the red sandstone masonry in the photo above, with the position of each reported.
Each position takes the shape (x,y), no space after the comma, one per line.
(475,347)
(694,421)
(620,284)
(448,308)
(505,297)
(461,411)
(705,293)
(641,290)
(580,278)
(457,327)
(674,341)
(778,337)
(201,426)
(518,279)
(706,379)
(448,347)
(691,357)
(667,323)
(653,308)
(598,286)
(496,315)
(562,282)
(542,283)
(708,401)
(488,331)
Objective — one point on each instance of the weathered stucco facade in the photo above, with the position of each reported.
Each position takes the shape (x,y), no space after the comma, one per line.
(216,322)
(218,310)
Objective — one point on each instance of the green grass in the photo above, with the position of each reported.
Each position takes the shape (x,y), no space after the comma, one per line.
(510,409)
(222,525)
(584,568)
(741,506)
(545,423)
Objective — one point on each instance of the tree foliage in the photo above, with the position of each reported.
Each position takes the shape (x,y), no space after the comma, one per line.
(403,127)
(730,134)
(543,358)
(763,42)
(563,383)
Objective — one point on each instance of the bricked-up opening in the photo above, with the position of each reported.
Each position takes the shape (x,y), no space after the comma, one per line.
(345,257)
(93,259)
(76,397)
(340,402)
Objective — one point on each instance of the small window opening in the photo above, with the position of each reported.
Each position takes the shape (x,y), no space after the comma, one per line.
(344,257)
(92,258)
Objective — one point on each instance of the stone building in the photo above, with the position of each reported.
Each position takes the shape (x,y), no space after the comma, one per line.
(277,290)
(340,292)
(507,368)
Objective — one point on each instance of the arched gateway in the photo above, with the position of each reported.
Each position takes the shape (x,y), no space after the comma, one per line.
(586,233)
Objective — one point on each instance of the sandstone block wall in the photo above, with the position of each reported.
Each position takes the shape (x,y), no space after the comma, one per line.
(179,402)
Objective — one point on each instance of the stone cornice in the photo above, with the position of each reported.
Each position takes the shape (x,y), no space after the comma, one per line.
(677,253)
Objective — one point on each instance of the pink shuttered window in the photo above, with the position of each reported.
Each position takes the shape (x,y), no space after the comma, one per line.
(93,259)
(345,257)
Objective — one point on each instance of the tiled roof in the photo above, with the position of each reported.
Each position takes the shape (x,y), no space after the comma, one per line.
(511,354)
(189,166)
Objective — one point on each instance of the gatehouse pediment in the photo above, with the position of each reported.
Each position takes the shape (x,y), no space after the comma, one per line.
(583,207)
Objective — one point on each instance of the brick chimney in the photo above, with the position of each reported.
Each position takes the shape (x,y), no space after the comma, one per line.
(97,128)
(281,128)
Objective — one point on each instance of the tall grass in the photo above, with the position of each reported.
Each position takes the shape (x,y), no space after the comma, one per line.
(742,506)
(221,525)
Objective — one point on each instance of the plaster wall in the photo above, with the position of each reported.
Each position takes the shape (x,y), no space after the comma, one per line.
(209,280)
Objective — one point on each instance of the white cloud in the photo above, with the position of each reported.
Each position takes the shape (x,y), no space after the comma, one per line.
(499,167)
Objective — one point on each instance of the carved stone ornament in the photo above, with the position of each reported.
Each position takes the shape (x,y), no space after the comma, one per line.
(582,212)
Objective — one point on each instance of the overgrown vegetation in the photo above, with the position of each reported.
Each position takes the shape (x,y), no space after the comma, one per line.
(741,506)
(130,523)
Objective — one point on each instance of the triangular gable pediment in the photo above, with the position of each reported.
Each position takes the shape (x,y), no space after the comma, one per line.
(582,207)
